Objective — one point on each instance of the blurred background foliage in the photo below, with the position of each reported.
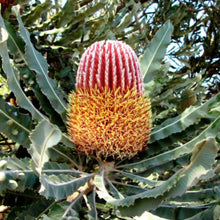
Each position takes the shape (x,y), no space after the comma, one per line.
(189,74)
(62,33)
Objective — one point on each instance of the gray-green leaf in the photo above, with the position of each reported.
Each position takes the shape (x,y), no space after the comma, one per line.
(38,63)
(43,137)
(12,75)
(151,60)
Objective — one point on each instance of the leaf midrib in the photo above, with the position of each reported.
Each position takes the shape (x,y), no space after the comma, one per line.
(41,163)
(154,54)
(10,118)
(205,105)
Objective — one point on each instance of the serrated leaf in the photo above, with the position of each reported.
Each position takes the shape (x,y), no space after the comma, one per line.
(152,193)
(211,213)
(114,191)
(130,200)
(203,157)
(196,197)
(59,168)
(14,124)
(61,186)
(15,43)
(140,206)
(37,12)
(131,189)
(19,173)
(16,48)
(55,212)
(58,211)
(53,166)
(14,163)
(38,63)
(151,60)
(101,189)
(67,13)
(43,137)
(127,18)
(118,17)
(148,183)
(12,76)
(181,122)
(14,84)
(211,131)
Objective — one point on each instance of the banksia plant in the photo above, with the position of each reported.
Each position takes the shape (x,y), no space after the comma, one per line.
(109,114)
(97,172)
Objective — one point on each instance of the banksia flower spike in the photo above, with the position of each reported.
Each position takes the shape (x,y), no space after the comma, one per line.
(109,114)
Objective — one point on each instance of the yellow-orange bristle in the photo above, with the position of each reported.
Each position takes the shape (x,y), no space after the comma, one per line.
(109,123)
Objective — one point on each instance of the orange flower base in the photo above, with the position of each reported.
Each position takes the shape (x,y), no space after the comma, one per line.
(109,123)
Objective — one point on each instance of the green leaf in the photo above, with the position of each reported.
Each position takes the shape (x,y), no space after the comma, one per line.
(114,191)
(211,131)
(16,48)
(129,189)
(35,209)
(29,79)
(118,17)
(58,211)
(14,163)
(15,43)
(63,153)
(92,213)
(43,137)
(55,212)
(195,198)
(202,160)
(37,12)
(59,168)
(127,18)
(38,63)
(151,60)
(18,175)
(101,189)
(152,193)
(12,76)
(148,183)
(211,213)
(69,15)
(181,122)
(140,206)
(14,83)
(61,186)
(14,124)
